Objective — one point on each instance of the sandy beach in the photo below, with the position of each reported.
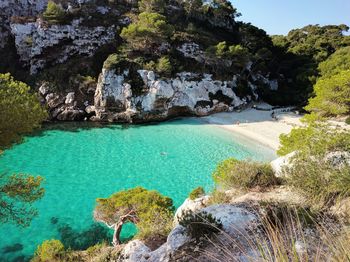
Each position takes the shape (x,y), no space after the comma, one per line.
(257,125)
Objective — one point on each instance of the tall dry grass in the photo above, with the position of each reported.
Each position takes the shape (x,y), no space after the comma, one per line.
(283,236)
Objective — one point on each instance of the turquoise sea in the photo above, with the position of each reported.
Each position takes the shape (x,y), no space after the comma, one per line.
(81,162)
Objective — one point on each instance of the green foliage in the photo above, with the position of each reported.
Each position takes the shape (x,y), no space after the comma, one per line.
(317,41)
(233,173)
(152,6)
(164,66)
(320,181)
(336,63)
(152,212)
(223,50)
(347,120)
(17,192)
(112,61)
(253,38)
(200,224)
(218,197)
(54,13)
(313,171)
(150,30)
(192,6)
(332,95)
(196,193)
(151,66)
(315,139)
(20,111)
(49,250)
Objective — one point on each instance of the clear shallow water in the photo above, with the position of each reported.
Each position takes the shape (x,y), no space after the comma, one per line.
(80,165)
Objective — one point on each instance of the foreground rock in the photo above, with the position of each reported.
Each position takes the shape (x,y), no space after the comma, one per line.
(235,220)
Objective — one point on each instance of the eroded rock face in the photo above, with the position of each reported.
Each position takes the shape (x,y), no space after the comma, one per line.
(186,94)
(190,205)
(64,107)
(34,42)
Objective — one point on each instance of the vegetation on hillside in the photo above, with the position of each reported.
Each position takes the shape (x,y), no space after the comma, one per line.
(20,114)
(233,173)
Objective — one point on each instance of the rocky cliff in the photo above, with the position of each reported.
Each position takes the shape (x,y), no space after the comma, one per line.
(39,46)
(200,81)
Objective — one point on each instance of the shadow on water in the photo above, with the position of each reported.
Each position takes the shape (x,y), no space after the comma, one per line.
(76,126)
(80,240)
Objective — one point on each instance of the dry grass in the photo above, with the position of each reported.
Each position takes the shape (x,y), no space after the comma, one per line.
(282,237)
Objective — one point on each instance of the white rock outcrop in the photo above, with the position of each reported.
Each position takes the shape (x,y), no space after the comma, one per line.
(235,220)
(191,205)
(279,163)
(34,42)
(187,93)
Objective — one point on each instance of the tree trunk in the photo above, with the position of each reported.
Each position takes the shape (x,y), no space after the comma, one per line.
(119,225)
(116,234)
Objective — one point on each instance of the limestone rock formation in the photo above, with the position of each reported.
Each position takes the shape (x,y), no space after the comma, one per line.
(186,94)
(235,220)
(191,205)
(34,42)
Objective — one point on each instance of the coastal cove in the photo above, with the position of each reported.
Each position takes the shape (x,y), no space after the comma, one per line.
(81,162)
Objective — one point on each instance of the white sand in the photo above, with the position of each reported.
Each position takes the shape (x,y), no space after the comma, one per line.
(256,125)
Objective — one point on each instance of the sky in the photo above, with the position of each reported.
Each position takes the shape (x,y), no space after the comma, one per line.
(280,16)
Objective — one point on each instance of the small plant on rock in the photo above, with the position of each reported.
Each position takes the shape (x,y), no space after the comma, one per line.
(196,193)
(200,224)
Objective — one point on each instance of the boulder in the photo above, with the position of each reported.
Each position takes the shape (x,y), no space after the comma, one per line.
(44,89)
(53,100)
(281,162)
(134,251)
(190,205)
(338,159)
(70,98)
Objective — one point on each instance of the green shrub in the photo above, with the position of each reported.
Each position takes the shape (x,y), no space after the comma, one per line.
(164,66)
(321,178)
(111,61)
(347,120)
(200,224)
(320,181)
(332,95)
(233,173)
(315,139)
(49,250)
(152,6)
(95,249)
(196,193)
(54,13)
(151,66)
(218,197)
(151,29)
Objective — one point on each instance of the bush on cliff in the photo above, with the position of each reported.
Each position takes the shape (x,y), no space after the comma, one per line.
(150,211)
(196,193)
(149,31)
(200,224)
(320,168)
(233,173)
(54,13)
(49,250)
